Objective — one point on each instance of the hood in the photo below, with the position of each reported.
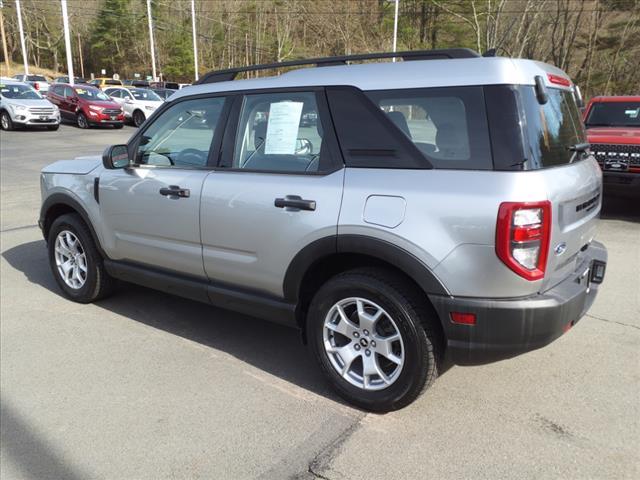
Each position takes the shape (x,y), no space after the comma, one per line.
(79,166)
(36,102)
(102,103)
(620,135)
(150,103)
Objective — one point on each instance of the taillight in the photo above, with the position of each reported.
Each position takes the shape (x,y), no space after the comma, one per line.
(522,237)
(36,85)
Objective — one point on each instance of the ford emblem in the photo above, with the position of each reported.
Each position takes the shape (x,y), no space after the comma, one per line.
(560,248)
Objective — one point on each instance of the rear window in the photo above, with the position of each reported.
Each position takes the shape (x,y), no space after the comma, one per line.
(551,129)
(112,82)
(448,125)
(614,114)
(36,78)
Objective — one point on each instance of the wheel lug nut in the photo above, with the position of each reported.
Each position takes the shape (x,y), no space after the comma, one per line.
(356,334)
(367,352)
(373,343)
(357,346)
(366,332)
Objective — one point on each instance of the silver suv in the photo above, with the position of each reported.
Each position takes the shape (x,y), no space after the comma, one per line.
(401,215)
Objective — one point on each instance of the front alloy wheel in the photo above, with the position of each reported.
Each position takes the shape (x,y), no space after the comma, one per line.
(363,343)
(71,259)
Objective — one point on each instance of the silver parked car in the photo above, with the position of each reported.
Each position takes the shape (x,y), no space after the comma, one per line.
(22,106)
(439,208)
(38,82)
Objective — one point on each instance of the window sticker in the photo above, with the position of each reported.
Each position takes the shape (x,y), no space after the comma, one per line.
(632,113)
(282,128)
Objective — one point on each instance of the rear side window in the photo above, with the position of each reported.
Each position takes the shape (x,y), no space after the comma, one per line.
(550,129)
(447,125)
(281,132)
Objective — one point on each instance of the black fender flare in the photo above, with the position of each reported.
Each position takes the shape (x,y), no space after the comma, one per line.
(67,200)
(363,245)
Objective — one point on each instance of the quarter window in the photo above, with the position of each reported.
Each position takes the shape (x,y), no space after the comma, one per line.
(281,132)
(448,125)
(182,135)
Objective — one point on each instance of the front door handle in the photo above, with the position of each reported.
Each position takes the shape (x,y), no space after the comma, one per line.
(175,191)
(295,203)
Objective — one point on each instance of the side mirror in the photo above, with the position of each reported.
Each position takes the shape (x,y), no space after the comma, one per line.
(115,156)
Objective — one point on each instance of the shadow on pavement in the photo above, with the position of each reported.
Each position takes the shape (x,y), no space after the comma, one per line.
(272,348)
(33,456)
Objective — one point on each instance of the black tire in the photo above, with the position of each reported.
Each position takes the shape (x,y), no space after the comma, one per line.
(118,126)
(415,321)
(53,127)
(5,121)
(82,121)
(138,118)
(98,283)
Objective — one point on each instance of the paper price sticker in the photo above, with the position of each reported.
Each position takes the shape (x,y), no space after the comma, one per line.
(282,128)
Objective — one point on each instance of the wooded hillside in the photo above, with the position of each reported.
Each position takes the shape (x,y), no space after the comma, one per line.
(596,41)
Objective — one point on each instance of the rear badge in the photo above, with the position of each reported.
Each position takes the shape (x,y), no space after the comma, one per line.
(560,248)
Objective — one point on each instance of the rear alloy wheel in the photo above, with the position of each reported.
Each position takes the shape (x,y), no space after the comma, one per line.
(368,354)
(375,337)
(82,121)
(5,121)
(138,118)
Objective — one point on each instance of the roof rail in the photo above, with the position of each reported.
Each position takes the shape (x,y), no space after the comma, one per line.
(231,73)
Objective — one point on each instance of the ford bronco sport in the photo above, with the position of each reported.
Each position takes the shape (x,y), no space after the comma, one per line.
(442,207)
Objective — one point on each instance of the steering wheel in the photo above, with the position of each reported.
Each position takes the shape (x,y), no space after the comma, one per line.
(191,156)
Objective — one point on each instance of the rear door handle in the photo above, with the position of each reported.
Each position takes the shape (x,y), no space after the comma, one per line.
(175,191)
(295,202)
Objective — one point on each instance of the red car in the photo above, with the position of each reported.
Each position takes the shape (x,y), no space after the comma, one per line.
(613,130)
(85,105)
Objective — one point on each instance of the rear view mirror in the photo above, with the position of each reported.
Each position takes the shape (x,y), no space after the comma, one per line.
(115,156)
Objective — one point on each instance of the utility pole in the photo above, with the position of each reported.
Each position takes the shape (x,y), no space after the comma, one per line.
(395,30)
(67,40)
(24,48)
(153,49)
(80,55)
(195,39)
(4,41)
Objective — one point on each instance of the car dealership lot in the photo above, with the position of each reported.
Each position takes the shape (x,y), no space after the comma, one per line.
(145,385)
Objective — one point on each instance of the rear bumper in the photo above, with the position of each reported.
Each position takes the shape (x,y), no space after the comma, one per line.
(505,328)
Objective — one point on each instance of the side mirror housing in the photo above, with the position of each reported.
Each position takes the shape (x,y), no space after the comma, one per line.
(115,156)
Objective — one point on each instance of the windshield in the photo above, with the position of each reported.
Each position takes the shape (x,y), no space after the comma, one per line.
(36,78)
(614,114)
(551,128)
(147,95)
(22,92)
(92,94)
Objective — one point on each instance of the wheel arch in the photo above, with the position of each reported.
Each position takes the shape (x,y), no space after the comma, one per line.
(329,256)
(60,204)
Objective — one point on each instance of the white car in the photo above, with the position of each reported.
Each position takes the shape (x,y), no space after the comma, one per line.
(137,103)
(21,105)
(38,82)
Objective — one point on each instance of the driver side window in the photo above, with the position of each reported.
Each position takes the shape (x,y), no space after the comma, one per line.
(182,135)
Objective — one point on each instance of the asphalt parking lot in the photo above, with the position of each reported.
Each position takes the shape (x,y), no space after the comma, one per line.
(148,386)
